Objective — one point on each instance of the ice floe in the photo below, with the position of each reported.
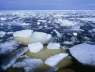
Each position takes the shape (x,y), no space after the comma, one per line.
(2,33)
(54,60)
(84,53)
(28,36)
(29,64)
(35,47)
(64,22)
(23,36)
(40,37)
(11,57)
(53,46)
(23,33)
(8,46)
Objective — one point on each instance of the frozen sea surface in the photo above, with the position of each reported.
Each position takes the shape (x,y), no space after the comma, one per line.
(70,28)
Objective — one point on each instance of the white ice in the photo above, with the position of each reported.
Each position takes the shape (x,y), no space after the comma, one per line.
(54,60)
(29,64)
(23,33)
(8,46)
(35,47)
(53,46)
(2,33)
(84,53)
(40,37)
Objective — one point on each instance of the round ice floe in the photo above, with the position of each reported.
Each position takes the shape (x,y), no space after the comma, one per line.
(23,36)
(40,37)
(58,60)
(35,47)
(84,53)
(53,46)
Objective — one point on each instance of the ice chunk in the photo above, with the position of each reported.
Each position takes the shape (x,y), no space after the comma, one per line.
(68,42)
(35,47)
(2,33)
(23,33)
(23,36)
(28,36)
(40,37)
(75,34)
(3,18)
(10,33)
(8,46)
(68,23)
(84,53)
(29,64)
(64,22)
(54,60)
(53,46)
(11,57)
(58,34)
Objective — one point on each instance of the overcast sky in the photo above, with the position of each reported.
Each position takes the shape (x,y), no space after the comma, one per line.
(46,4)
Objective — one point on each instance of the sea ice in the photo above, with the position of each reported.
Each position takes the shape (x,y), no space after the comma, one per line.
(53,46)
(40,37)
(29,64)
(2,33)
(84,53)
(8,46)
(35,47)
(23,33)
(54,60)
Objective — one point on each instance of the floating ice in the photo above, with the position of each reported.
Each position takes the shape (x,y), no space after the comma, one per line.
(28,36)
(11,58)
(35,47)
(75,34)
(54,60)
(23,33)
(2,33)
(8,46)
(3,18)
(84,53)
(64,22)
(23,36)
(58,34)
(29,64)
(40,37)
(53,46)
(68,43)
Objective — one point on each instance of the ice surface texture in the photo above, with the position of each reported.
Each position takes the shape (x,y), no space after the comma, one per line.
(84,53)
